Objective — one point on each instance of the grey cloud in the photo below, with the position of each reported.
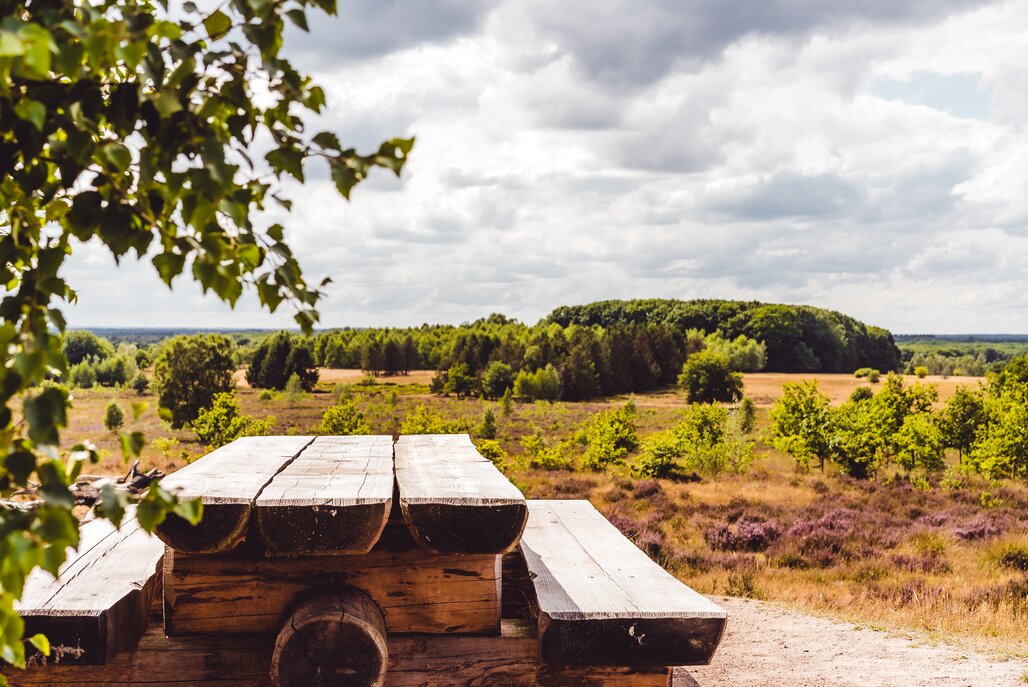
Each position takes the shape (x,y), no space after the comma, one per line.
(625,43)
(788,194)
(366,29)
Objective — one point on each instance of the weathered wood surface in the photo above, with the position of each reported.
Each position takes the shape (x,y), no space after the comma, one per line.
(602,601)
(509,660)
(334,498)
(333,639)
(228,481)
(99,603)
(453,499)
(418,591)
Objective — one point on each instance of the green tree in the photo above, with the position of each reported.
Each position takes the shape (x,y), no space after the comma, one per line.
(487,429)
(919,443)
(189,372)
(497,380)
(142,131)
(460,381)
(224,421)
(611,436)
(507,403)
(114,416)
(709,444)
(80,345)
(277,358)
(963,416)
(801,423)
(708,378)
(1001,446)
(344,419)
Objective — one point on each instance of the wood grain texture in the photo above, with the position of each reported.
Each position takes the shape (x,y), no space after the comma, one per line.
(602,601)
(453,499)
(333,639)
(508,660)
(228,481)
(334,498)
(418,591)
(99,604)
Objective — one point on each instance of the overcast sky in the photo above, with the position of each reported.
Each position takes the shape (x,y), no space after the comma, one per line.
(872,160)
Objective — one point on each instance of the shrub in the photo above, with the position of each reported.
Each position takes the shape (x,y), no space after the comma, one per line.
(487,429)
(863,372)
(921,371)
(862,393)
(660,456)
(747,535)
(491,449)
(116,370)
(611,437)
(224,422)
(421,420)
(266,395)
(980,527)
(460,381)
(165,445)
(559,457)
(293,390)
(1013,556)
(708,444)
(344,419)
(189,372)
(114,417)
(874,376)
(802,423)
(746,415)
(507,403)
(83,345)
(83,375)
(140,383)
(708,378)
(543,384)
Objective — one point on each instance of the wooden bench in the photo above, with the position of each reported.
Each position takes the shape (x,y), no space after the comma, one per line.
(99,603)
(602,601)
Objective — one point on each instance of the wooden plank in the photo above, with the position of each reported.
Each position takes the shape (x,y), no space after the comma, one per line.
(508,660)
(602,601)
(418,591)
(227,480)
(334,498)
(453,499)
(99,603)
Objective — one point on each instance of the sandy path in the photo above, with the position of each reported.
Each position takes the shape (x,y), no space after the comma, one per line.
(768,645)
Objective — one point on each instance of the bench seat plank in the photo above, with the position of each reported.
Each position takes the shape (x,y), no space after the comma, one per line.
(334,498)
(602,601)
(99,603)
(228,481)
(453,499)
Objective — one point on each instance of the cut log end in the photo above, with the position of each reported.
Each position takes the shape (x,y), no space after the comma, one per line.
(223,529)
(442,528)
(335,639)
(323,530)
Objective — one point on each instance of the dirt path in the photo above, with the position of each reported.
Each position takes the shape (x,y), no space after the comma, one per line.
(769,645)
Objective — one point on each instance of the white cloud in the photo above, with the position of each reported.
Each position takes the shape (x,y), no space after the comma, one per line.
(871,162)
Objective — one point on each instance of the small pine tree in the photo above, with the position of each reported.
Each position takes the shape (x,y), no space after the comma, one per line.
(507,402)
(487,430)
(141,384)
(747,415)
(114,417)
(293,390)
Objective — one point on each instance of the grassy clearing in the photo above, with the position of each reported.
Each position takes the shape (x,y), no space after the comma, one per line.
(881,553)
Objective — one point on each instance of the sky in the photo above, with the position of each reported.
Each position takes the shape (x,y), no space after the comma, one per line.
(869,157)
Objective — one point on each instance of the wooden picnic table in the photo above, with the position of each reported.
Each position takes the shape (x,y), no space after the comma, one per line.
(364,561)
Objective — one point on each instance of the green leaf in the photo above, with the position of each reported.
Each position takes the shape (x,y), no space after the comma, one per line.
(167,103)
(41,643)
(117,155)
(39,46)
(31,111)
(217,24)
(298,17)
(169,265)
(327,140)
(191,511)
(10,45)
(132,444)
(150,514)
(287,158)
(112,503)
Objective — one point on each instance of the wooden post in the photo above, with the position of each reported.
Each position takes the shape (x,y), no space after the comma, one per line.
(334,639)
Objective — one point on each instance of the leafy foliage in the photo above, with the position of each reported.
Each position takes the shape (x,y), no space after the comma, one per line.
(421,420)
(189,372)
(801,423)
(497,379)
(708,377)
(224,422)
(611,436)
(344,419)
(114,416)
(159,134)
(542,385)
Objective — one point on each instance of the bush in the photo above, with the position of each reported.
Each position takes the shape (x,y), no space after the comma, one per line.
(82,375)
(189,372)
(223,421)
(542,385)
(140,383)
(709,445)
(293,390)
(921,371)
(611,437)
(862,393)
(344,419)
(491,449)
(559,457)
(507,403)
(746,415)
(487,430)
(421,420)
(83,345)
(660,456)
(1013,556)
(863,372)
(114,417)
(874,376)
(708,378)
(460,381)
(116,370)
(266,395)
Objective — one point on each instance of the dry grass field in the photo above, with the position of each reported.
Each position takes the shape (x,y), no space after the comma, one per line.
(948,561)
